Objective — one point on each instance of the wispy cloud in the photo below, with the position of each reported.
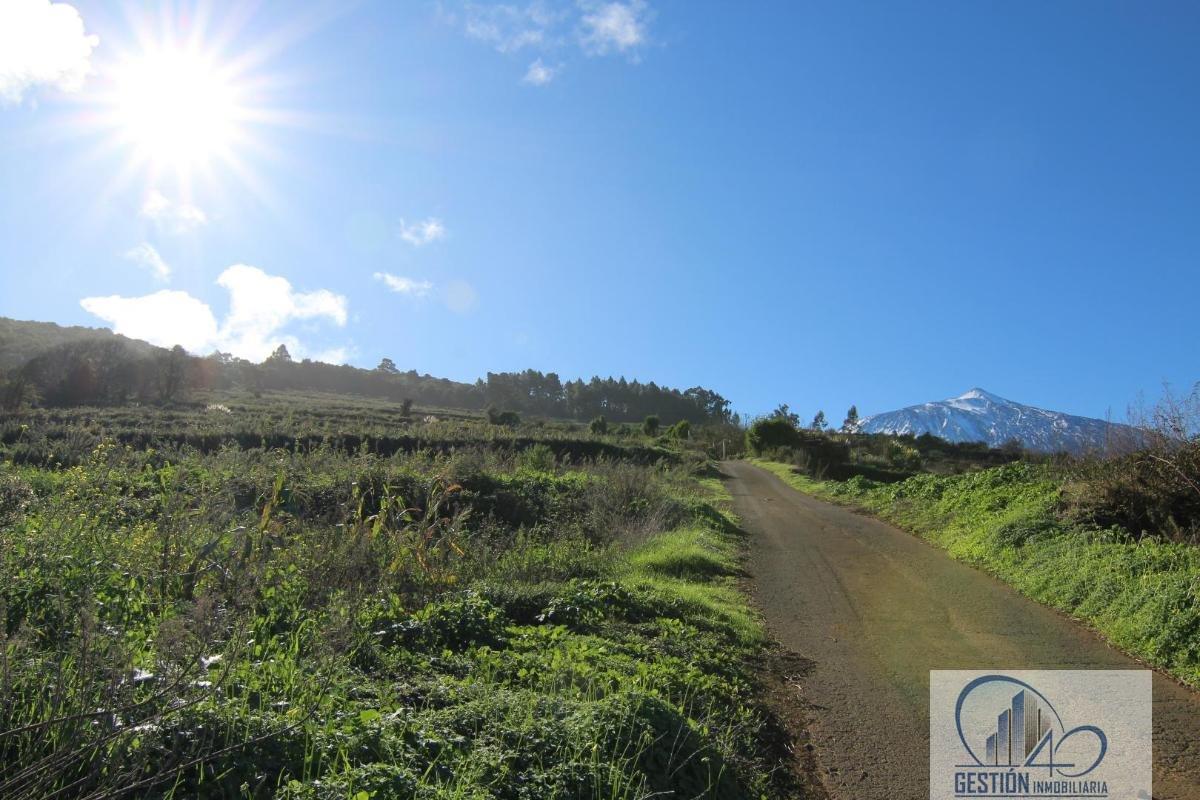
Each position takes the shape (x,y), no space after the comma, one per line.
(422,232)
(555,28)
(539,74)
(145,256)
(261,306)
(42,44)
(402,285)
(609,27)
(169,215)
(510,28)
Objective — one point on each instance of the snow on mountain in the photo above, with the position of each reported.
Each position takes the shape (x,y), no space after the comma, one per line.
(980,416)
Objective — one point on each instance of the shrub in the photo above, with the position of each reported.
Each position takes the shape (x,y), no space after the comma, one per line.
(15,497)
(1156,491)
(509,419)
(901,456)
(538,457)
(650,425)
(599,425)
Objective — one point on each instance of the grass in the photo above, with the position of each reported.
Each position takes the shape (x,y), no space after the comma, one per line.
(1143,594)
(479,620)
(699,564)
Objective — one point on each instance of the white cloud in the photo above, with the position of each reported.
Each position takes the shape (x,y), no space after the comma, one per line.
(42,44)
(510,28)
(422,232)
(260,307)
(552,28)
(176,217)
(539,74)
(165,318)
(613,26)
(461,297)
(402,285)
(144,255)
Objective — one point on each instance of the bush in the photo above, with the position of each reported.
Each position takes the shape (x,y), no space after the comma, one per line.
(538,457)
(15,497)
(509,419)
(650,425)
(598,426)
(1156,491)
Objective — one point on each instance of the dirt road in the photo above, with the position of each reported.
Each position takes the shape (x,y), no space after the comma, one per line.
(874,609)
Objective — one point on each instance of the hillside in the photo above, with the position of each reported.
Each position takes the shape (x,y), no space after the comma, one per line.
(980,416)
(60,366)
(21,340)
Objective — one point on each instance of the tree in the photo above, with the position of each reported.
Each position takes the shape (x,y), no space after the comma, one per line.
(387,366)
(770,433)
(280,356)
(17,391)
(681,430)
(172,373)
(650,425)
(784,413)
(818,423)
(599,425)
(850,424)
(406,406)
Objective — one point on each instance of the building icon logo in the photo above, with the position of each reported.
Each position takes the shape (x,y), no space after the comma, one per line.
(1019,730)
(1040,734)
(1026,730)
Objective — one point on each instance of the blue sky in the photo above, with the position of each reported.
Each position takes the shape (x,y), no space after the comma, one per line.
(818,204)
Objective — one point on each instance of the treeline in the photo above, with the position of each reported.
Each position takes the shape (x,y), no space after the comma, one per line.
(111,372)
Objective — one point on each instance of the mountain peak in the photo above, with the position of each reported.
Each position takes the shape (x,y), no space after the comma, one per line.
(980,394)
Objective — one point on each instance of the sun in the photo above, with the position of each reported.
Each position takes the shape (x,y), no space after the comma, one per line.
(187,101)
(177,108)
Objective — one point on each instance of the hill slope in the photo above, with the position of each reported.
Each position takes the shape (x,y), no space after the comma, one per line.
(980,416)
(21,340)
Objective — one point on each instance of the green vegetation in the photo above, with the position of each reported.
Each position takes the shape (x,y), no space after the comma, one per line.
(1023,523)
(878,457)
(303,597)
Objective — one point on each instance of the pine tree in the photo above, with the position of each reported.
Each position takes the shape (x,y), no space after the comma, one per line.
(850,425)
(818,423)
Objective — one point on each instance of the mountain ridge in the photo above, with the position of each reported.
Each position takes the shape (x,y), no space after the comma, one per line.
(978,415)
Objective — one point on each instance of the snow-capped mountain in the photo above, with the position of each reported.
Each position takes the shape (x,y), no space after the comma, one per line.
(980,416)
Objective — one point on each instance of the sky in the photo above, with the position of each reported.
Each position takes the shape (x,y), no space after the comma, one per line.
(816,204)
